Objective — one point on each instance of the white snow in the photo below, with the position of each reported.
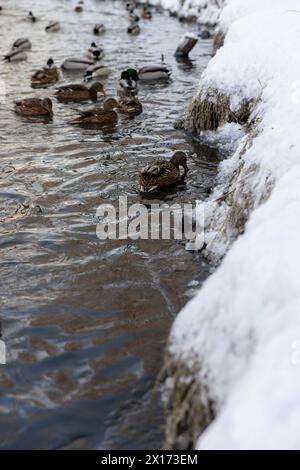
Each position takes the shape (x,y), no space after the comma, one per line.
(241,332)
(206,11)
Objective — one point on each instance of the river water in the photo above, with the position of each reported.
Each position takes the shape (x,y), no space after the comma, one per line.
(85,322)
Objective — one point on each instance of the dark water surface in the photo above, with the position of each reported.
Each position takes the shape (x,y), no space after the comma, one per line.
(85,322)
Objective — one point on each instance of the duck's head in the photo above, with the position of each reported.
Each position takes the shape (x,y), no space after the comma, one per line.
(110,104)
(50,63)
(99,88)
(93,45)
(179,159)
(31,16)
(96,54)
(130,74)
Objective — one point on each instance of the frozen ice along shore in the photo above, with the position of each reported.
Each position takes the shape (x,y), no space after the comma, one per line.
(234,351)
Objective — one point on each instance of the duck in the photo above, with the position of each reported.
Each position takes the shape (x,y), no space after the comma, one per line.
(15,55)
(154,72)
(79,8)
(79,92)
(76,63)
(130,105)
(94,52)
(31,17)
(161,173)
(146,13)
(133,29)
(133,17)
(99,29)
(105,116)
(22,44)
(52,27)
(34,107)
(128,83)
(96,71)
(130,5)
(45,77)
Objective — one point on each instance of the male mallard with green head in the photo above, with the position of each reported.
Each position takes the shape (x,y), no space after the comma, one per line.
(45,77)
(34,107)
(105,116)
(128,84)
(77,92)
(161,173)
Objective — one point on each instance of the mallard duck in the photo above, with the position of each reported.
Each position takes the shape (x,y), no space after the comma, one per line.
(79,92)
(45,77)
(16,55)
(52,27)
(34,107)
(105,116)
(133,17)
(128,83)
(76,63)
(79,8)
(31,17)
(96,71)
(130,106)
(154,72)
(22,44)
(99,29)
(94,52)
(133,29)
(161,173)
(146,13)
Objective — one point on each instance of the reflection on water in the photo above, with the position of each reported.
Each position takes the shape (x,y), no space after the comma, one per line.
(85,321)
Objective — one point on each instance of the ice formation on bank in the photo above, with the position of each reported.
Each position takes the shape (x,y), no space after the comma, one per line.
(240,335)
(205,11)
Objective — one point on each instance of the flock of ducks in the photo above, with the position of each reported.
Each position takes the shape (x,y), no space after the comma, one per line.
(156,175)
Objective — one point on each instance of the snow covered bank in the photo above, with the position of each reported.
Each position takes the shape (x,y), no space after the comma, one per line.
(235,347)
(203,11)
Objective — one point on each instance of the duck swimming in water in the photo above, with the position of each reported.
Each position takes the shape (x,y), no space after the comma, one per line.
(130,105)
(133,29)
(146,13)
(76,63)
(78,92)
(45,77)
(95,71)
(128,83)
(34,107)
(154,73)
(99,117)
(161,173)
(99,29)
(52,27)
(16,55)
(22,44)
(31,17)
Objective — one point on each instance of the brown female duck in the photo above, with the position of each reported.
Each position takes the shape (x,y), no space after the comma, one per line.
(160,173)
(45,77)
(78,92)
(105,116)
(34,107)
(130,105)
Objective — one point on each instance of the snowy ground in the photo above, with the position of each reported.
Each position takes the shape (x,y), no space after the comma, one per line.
(241,333)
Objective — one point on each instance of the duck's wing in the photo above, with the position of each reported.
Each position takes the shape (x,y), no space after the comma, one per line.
(39,75)
(71,87)
(91,112)
(154,68)
(157,168)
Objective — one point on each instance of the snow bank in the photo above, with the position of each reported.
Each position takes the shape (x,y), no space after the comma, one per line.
(239,337)
(205,11)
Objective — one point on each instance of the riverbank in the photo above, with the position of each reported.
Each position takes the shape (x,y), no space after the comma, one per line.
(233,350)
